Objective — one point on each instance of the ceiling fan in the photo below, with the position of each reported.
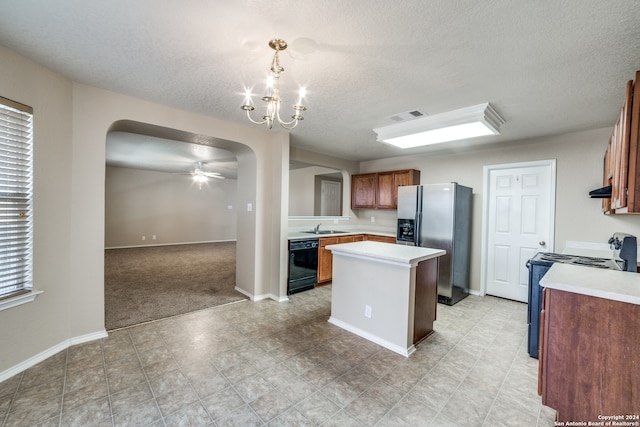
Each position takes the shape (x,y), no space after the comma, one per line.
(200,176)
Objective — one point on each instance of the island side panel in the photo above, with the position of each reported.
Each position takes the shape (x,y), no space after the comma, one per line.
(386,288)
(426,299)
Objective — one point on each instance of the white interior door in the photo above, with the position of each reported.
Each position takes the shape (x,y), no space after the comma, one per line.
(519,221)
(330,200)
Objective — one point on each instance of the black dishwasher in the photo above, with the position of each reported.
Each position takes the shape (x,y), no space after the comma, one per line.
(303,265)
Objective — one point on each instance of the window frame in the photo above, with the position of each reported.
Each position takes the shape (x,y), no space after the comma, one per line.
(16,198)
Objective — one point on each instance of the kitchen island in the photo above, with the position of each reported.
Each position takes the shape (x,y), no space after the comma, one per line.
(589,364)
(384,292)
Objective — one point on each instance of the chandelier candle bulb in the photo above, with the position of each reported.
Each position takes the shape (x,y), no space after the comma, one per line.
(302,93)
(269,86)
(247,99)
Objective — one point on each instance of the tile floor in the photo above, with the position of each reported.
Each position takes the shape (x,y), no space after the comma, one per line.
(282,364)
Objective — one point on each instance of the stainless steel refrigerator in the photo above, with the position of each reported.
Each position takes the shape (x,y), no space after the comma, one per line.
(439,216)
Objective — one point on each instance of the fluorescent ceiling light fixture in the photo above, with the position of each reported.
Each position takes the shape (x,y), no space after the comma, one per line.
(465,123)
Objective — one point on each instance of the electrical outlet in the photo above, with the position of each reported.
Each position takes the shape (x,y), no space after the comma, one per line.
(153,237)
(367,311)
(373,219)
(144,237)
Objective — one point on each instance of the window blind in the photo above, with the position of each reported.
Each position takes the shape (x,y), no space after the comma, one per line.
(16,191)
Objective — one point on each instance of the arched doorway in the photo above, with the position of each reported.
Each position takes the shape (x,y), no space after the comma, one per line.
(162,159)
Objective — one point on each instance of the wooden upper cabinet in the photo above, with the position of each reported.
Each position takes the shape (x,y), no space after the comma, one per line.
(622,157)
(384,186)
(363,191)
(633,183)
(386,191)
(404,177)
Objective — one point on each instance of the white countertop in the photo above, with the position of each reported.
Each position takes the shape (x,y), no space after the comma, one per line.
(609,284)
(386,252)
(300,234)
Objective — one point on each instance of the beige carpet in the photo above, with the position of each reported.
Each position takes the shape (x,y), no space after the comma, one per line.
(143,284)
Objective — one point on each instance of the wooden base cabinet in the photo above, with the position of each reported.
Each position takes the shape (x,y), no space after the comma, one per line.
(325,258)
(589,362)
(376,238)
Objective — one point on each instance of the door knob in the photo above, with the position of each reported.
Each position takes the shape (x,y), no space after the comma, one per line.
(542,243)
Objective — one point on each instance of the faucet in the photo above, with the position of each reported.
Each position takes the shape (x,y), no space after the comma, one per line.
(317,228)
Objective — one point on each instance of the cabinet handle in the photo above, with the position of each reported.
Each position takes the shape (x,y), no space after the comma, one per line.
(542,243)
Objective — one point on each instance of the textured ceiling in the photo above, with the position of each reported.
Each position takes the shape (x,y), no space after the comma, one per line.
(547,67)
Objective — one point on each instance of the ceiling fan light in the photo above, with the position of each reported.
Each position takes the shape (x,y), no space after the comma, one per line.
(465,123)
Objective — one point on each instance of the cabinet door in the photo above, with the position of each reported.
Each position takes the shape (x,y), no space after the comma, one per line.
(407,177)
(325,258)
(363,191)
(633,200)
(589,356)
(609,159)
(388,183)
(387,191)
(619,145)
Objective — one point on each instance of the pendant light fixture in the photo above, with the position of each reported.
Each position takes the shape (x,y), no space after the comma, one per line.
(272,97)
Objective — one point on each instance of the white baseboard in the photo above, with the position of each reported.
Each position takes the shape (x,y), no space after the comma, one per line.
(245,293)
(170,244)
(373,338)
(50,352)
(261,297)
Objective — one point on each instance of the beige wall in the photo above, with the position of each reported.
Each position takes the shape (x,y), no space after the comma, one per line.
(170,206)
(302,183)
(30,328)
(71,124)
(579,169)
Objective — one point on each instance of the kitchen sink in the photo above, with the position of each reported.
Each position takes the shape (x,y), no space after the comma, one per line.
(324,232)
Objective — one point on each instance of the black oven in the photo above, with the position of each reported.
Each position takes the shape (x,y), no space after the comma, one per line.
(303,265)
(538,267)
(624,257)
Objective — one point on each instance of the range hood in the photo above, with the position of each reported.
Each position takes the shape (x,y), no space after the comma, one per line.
(601,193)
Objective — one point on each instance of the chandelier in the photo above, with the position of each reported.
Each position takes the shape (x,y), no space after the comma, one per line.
(272,97)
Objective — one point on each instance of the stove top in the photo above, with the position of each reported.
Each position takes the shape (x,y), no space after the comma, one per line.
(549,257)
